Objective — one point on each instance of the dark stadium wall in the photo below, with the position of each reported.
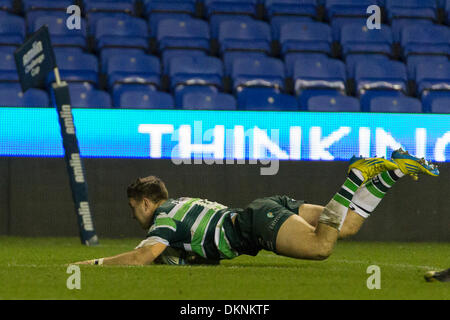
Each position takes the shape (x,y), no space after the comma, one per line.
(35,198)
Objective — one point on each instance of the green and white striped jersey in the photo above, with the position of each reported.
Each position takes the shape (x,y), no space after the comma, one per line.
(195,225)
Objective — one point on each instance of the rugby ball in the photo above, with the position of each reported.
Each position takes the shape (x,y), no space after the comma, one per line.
(172,256)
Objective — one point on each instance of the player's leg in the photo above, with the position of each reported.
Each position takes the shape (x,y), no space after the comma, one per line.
(298,239)
(352,223)
(367,198)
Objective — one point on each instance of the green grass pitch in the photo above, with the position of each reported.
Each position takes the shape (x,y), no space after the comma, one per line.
(34,268)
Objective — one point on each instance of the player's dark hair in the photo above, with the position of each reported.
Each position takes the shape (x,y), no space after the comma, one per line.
(150,187)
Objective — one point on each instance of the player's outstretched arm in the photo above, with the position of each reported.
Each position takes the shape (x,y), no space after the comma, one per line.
(138,257)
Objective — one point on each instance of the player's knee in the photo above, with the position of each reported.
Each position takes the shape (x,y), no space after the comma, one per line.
(323,251)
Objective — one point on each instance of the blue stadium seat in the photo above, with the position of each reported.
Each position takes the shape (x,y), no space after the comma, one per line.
(6,5)
(109,6)
(12,96)
(8,70)
(433,76)
(217,19)
(440,104)
(12,30)
(230,7)
(397,26)
(396,104)
(333,103)
(46,5)
(347,8)
(414,60)
(277,21)
(155,18)
(360,39)
(339,22)
(436,101)
(183,34)
(127,32)
(353,59)
(145,99)
(203,71)
(84,96)
(138,69)
(245,36)
(258,99)
(305,37)
(107,53)
(80,67)
(94,17)
(230,56)
(171,7)
(291,58)
(319,73)
(207,101)
(380,75)
(263,72)
(32,16)
(168,55)
(59,33)
(366,98)
(432,39)
(421,9)
(291,8)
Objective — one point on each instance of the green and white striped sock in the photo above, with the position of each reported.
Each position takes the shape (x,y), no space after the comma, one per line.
(369,196)
(335,211)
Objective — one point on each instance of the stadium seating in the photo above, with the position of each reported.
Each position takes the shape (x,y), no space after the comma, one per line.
(395,104)
(347,8)
(60,34)
(414,60)
(312,75)
(434,98)
(305,37)
(187,71)
(245,36)
(230,56)
(432,39)
(306,8)
(437,103)
(398,25)
(262,72)
(353,59)
(339,22)
(45,5)
(265,99)
(333,103)
(80,67)
(207,101)
(12,30)
(183,34)
(226,53)
(12,96)
(169,6)
(359,39)
(421,9)
(6,5)
(138,69)
(145,99)
(168,55)
(108,6)
(240,7)
(380,75)
(125,32)
(433,76)
(84,96)
(8,67)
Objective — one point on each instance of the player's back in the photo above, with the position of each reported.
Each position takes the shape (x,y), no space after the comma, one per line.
(198,225)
